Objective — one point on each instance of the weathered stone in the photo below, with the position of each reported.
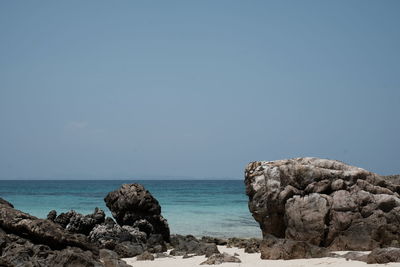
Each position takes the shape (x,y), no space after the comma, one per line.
(76,222)
(274,249)
(325,202)
(306,217)
(191,245)
(384,255)
(133,205)
(40,230)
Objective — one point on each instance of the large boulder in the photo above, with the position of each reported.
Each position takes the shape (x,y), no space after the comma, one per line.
(133,205)
(324,202)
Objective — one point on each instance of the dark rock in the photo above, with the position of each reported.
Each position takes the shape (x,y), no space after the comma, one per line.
(324,202)
(220,258)
(72,257)
(126,241)
(156,244)
(111,259)
(191,245)
(144,226)
(129,249)
(40,231)
(145,256)
(5,202)
(52,215)
(384,255)
(215,240)
(132,204)
(78,223)
(273,248)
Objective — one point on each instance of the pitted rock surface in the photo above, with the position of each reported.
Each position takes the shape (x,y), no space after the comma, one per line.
(324,202)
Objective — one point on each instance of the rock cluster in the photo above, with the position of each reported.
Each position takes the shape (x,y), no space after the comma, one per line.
(325,203)
(190,245)
(73,239)
(76,222)
(28,241)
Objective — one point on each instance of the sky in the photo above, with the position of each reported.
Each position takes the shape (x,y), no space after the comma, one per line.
(196,89)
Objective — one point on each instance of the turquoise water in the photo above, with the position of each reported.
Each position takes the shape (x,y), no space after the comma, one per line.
(198,207)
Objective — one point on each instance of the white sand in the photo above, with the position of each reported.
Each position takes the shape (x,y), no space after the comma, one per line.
(250,260)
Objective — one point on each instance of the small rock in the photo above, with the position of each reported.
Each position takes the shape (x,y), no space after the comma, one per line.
(220,258)
(145,256)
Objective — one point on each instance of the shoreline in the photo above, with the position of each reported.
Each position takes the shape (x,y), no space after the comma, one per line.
(253,259)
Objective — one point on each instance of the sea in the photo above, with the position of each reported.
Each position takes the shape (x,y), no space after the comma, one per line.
(197,207)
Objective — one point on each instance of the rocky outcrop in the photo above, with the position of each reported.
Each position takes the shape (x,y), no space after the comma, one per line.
(76,222)
(133,205)
(28,241)
(40,230)
(326,203)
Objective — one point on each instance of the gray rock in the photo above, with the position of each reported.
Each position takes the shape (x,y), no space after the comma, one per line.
(220,258)
(190,245)
(128,249)
(384,255)
(324,202)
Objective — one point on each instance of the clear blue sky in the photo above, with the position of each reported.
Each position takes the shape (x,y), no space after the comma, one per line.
(119,89)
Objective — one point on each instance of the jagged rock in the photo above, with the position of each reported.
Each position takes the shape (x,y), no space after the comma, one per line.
(324,202)
(215,240)
(145,256)
(220,258)
(191,245)
(109,234)
(52,215)
(76,222)
(133,205)
(40,231)
(19,251)
(273,248)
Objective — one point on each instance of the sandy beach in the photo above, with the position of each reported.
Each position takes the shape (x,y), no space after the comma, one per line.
(253,260)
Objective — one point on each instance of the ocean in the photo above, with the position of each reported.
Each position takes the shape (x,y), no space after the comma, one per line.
(198,207)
